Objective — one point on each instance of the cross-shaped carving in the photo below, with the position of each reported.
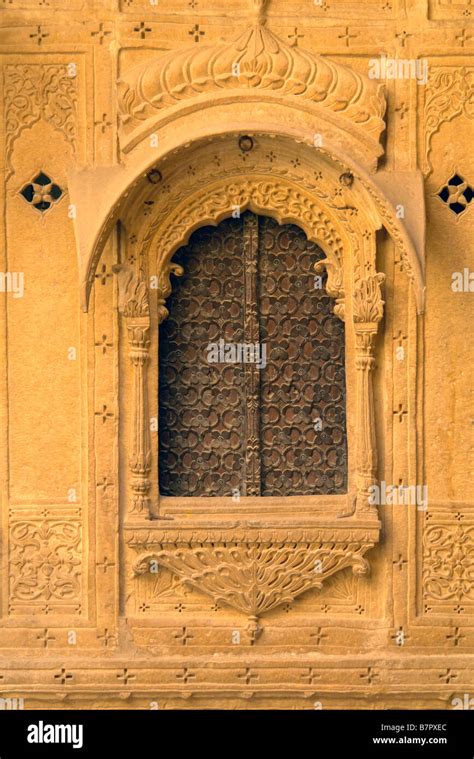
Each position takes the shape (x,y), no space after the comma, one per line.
(45,637)
(463,38)
(104,484)
(103,123)
(106,637)
(125,676)
(63,677)
(400,412)
(311,676)
(347,36)
(103,343)
(185,675)
(448,676)
(371,675)
(456,637)
(295,37)
(248,676)
(196,33)
(183,636)
(101,33)
(402,110)
(142,30)
(403,36)
(400,338)
(103,275)
(39,35)
(104,414)
(318,636)
(105,564)
(400,636)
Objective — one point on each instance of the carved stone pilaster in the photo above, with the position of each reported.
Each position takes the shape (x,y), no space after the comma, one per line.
(134,305)
(367,312)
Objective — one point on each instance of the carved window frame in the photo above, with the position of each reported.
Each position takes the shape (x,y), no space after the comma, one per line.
(194,537)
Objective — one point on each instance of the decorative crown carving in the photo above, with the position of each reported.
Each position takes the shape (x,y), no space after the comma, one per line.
(257,59)
(133,292)
(368,303)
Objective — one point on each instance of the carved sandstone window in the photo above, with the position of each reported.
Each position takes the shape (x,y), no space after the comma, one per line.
(251,368)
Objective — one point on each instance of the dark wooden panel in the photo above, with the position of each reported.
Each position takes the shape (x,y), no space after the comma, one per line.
(304,379)
(201,404)
(226,427)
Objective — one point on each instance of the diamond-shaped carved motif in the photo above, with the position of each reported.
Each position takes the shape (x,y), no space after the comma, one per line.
(457,194)
(41,192)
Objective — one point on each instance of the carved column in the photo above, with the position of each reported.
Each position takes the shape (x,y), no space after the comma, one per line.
(134,305)
(251,370)
(368,311)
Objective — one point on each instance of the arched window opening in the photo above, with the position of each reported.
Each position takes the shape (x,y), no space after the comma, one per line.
(252,395)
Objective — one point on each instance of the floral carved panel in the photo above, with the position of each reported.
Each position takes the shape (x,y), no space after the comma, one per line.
(449,95)
(39,91)
(448,564)
(45,561)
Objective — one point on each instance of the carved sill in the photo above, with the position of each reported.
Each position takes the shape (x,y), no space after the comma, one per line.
(250,565)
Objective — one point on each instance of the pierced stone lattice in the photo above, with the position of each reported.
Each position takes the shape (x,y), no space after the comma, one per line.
(274,430)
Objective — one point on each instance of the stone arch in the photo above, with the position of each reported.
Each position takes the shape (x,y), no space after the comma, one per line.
(256,83)
(283,201)
(349,242)
(109,190)
(300,97)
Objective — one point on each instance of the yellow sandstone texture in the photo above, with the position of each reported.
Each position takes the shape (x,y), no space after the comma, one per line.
(126,126)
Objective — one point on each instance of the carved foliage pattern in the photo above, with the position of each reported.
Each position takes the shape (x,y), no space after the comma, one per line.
(255,576)
(448,566)
(34,92)
(284,201)
(45,560)
(450,93)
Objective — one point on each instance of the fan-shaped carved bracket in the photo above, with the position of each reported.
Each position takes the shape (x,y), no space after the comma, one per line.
(251,568)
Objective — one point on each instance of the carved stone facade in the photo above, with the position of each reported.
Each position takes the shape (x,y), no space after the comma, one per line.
(126,127)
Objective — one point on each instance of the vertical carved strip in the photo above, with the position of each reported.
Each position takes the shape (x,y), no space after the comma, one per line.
(134,305)
(140,461)
(368,310)
(251,370)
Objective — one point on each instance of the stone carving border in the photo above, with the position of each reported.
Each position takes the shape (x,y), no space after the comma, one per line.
(222,552)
